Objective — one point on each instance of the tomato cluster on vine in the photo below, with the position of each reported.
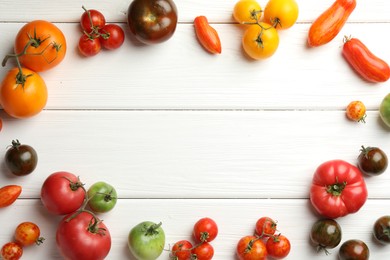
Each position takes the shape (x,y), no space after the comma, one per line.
(97,34)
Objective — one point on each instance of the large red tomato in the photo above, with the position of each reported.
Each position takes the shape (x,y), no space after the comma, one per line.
(82,236)
(338,189)
(62,193)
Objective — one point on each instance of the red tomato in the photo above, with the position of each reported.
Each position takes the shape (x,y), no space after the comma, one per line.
(8,194)
(265,226)
(364,62)
(62,193)
(89,45)
(82,236)
(251,248)
(92,20)
(330,22)
(207,35)
(205,230)
(203,251)
(278,246)
(112,36)
(11,251)
(338,189)
(28,233)
(46,45)
(181,250)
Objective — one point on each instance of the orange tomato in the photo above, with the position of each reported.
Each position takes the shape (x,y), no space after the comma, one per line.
(207,35)
(247,11)
(9,194)
(282,14)
(47,46)
(356,111)
(23,100)
(260,41)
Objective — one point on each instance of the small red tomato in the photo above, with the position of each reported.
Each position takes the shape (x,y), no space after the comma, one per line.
(251,248)
(112,36)
(11,251)
(356,111)
(203,251)
(205,230)
(92,20)
(265,227)
(181,250)
(28,233)
(278,246)
(89,45)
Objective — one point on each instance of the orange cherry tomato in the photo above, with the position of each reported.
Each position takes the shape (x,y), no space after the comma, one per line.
(282,14)
(207,35)
(46,45)
(28,233)
(260,41)
(11,251)
(247,11)
(356,111)
(23,96)
(365,63)
(330,22)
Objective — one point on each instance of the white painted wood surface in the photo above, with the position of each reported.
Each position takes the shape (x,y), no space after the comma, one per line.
(183,134)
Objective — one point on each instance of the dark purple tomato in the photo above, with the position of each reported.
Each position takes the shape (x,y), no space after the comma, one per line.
(21,159)
(382,229)
(354,249)
(325,234)
(372,161)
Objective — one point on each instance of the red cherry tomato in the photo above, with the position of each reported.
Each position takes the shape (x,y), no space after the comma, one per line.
(181,250)
(203,251)
(112,36)
(92,20)
(89,45)
(265,227)
(205,230)
(251,248)
(278,246)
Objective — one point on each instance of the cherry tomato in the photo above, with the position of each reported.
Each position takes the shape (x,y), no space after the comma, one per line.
(207,35)
(21,159)
(330,22)
(92,20)
(265,227)
(282,14)
(112,36)
(247,11)
(11,251)
(251,248)
(28,233)
(356,111)
(89,45)
(23,94)
(354,249)
(102,197)
(381,229)
(9,194)
(278,246)
(325,234)
(260,41)
(372,161)
(205,229)
(181,250)
(364,62)
(46,45)
(203,251)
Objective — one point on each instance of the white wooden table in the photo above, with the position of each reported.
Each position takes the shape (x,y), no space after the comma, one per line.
(182,134)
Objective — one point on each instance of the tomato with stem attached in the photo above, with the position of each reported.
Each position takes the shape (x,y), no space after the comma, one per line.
(89,45)
(278,246)
(325,234)
(112,36)
(356,111)
(203,251)
(251,248)
(92,20)
(372,161)
(282,14)
(102,197)
(205,229)
(181,250)
(247,12)
(28,233)
(21,159)
(265,227)
(260,41)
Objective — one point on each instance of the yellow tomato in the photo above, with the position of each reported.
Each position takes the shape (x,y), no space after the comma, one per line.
(282,14)
(247,11)
(260,41)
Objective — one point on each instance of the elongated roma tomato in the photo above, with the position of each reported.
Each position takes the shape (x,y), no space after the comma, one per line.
(207,35)
(8,194)
(365,63)
(330,22)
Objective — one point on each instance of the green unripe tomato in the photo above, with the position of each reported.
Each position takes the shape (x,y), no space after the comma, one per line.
(102,197)
(146,240)
(384,110)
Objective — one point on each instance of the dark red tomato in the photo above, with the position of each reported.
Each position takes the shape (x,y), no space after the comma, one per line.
(28,233)
(325,234)
(354,249)
(152,21)
(62,193)
(89,45)
(205,229)
(251,248)
(278,246)
(181,250)
(21,159)
(82,236)
(382,229)
(112,36)
(203,251)
(92,20)
(265,227)
(11,251)
(372,161)
(364,62)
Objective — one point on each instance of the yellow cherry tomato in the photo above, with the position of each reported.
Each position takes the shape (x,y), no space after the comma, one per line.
(260,41)
(356,111)
(247,11)
(282,14)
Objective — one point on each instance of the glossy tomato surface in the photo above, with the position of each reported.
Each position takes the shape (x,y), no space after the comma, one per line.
(21,159)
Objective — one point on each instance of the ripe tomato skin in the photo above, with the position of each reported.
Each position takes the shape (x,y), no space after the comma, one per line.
(205,229)
(28,233)
(247,11)
(11,251)
(265,227)
(356,111)
(9,194)
(282,14)
(364,62)
(259,43)
(325,234)
(21,159)
(62,193)
(98,20)
(354,249)
(372,161)
(112,36)
(278,247)
(50,40)
(203,251)
(338,188)
(181,250)
(23,101)
(207,35)
(251,248)
(381,229)
(330,22)
(89,46)
(78,238)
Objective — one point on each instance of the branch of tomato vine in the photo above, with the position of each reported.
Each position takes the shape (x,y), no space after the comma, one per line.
(95,33)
